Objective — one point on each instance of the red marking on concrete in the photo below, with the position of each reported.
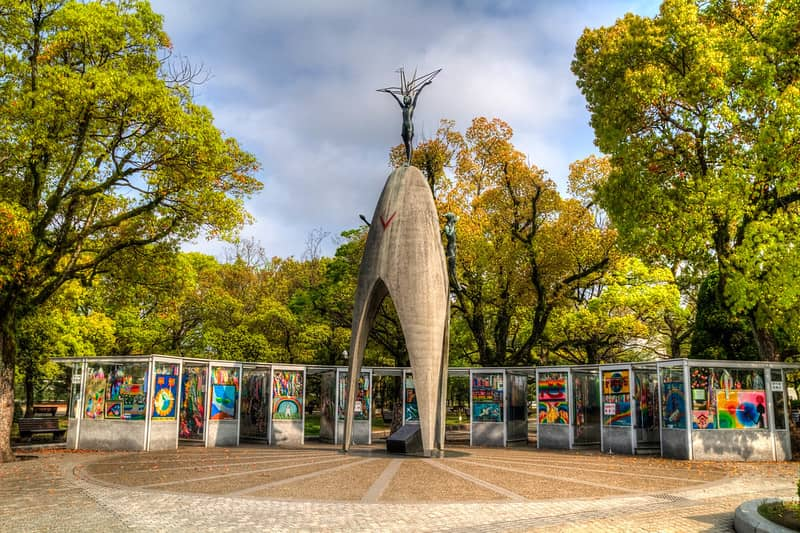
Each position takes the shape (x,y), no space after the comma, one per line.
(385,223)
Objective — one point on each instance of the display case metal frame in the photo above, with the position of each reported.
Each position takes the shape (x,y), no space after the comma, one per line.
(223,432)
(293,431)
(488,433)
(104,434)
(362,429)
(770,443)
(677,442)
(267,388)
(164,440)
(555,436)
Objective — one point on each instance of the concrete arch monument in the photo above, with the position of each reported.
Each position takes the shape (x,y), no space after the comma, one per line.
(404,259)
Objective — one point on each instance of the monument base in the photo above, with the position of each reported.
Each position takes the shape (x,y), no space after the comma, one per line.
(406,440)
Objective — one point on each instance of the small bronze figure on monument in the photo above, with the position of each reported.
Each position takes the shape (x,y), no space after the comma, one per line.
(450,255)
(406,95)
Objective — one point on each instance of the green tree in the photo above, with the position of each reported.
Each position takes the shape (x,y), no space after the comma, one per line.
(698,108)
(522,248)
(327,309)
(718,334)
(69,325)
(675,325)
(619,318)
(101,150)
(160,300)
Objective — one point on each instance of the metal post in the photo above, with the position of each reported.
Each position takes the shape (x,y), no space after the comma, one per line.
(573,415)
(239,404)
(269,415)
(303,408)
(179,388)
(336,376)
(207,400)
(150,383)
(81,403)
(538,440)
(687,400)
(506,400)
(371,390)
(471,412)
(634,407)
(660,411)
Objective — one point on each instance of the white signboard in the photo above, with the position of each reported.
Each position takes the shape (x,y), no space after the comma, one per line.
(609,409)
(777,386)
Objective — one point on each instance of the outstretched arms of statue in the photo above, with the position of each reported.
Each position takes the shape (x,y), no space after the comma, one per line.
(414,103)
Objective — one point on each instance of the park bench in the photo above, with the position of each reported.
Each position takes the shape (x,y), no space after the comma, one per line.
(29,426)
(44,410)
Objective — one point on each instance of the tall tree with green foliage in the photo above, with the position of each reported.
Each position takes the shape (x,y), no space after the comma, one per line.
(718,334)
(159,299)
(698,108)
(101,150)
(620,317)
(71,324)
(522,248)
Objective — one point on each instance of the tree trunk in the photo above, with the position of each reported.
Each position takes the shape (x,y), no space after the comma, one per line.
(765,340)
(675,346)
(8,354)
(29,394)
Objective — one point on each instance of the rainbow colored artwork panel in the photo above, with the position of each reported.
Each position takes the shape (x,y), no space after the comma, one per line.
(362,406)
(192,418)
(616,382)
(133,406)
(487,388)
(223,402)
(617,413)
(286,409)
(113,409)
(553,412)
(287,384)
(702,419)
(411,411)
(673,406)
(95,395)
(487,412)
(165,404)
(287,395)
(741,409)
(553,387)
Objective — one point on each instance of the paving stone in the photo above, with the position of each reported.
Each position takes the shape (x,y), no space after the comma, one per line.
(68,491)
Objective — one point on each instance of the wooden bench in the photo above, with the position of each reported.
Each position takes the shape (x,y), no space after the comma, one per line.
(46,410)
(29,426)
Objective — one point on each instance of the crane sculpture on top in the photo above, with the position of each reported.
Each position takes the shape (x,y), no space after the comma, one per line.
(406,95)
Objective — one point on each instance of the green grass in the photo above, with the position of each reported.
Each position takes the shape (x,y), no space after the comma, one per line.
(312,424)
(784,513)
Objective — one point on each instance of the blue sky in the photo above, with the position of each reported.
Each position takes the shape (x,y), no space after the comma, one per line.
(295,83)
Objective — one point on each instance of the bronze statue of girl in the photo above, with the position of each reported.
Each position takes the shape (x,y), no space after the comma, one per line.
(406,95)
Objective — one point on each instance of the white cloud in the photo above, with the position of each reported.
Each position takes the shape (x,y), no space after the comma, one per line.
(296,84)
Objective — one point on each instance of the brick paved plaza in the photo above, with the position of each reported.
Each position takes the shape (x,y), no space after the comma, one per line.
(317,488)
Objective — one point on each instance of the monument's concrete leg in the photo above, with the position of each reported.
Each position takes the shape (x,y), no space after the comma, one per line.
(442,418)
(404,258)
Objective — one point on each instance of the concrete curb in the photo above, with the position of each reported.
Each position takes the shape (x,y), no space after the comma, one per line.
(747,519)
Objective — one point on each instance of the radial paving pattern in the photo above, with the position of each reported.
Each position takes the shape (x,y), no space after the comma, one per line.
(318,489)
(321,473)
